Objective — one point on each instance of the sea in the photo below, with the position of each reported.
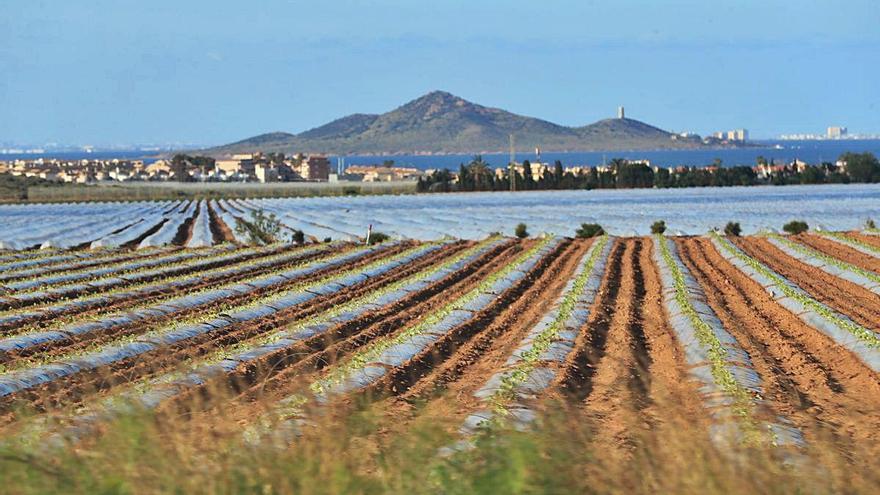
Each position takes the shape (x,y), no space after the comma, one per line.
(813,151)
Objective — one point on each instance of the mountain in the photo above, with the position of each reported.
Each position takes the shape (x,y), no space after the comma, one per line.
(439,122)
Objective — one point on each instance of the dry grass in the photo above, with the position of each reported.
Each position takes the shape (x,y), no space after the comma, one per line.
(364,450)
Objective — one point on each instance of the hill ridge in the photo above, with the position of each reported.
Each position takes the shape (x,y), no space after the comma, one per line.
(441,122)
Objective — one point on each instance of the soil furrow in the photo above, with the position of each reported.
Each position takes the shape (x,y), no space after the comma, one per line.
(74,387)
(620,384)
(873,240)
(860,304)
(220,232)
(92,339)
(671,389)
(274,374)
(840,251)
(820,385)
(576,381)
(43,320)
(454,382)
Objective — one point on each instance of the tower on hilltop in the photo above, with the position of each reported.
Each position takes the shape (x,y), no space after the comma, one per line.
(620,114)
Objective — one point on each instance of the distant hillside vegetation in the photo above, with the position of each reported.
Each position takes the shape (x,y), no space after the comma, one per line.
(443,123)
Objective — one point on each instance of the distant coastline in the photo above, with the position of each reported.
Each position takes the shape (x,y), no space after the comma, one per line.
(811,151)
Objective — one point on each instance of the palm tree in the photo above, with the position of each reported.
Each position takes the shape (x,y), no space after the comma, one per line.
(479,171)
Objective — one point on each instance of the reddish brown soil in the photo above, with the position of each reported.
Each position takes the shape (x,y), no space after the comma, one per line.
(873,240)
(74,387)
(621,382)
(465,372)
(860,304)
(184,233)
(48,318)
(816,383)
(840,251)
(220,232)
(322,356)
(627,366)
(106,335)
(285,374)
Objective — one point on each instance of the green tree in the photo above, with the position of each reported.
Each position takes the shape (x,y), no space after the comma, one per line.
(558,174)
(528,179)
(260,229)
(480,175)
(862,167)
(658,227)
(588,230)
(796,227)
(732,229)
(521,231)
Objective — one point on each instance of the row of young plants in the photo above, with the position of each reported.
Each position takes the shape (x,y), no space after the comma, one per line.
(129,265)
(41,257)
(228,359)
(190,261)
(523,377)
(281,281)
(370,364)
(245,260)
(852,242)
(76,263)
(727,378)
(180,331)
(166,307)
(861,341)
(829,264)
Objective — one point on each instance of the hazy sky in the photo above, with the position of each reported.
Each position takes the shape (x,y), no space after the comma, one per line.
(209,72)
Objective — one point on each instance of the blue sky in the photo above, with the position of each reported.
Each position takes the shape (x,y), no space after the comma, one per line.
(209,72)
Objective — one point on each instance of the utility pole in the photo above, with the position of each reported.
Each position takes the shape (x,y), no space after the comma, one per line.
(512,165)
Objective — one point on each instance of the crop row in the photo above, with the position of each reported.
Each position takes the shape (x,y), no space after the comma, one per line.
(177,335)
(550,341)
(167,307)
(279,346)
(829,264)
(841,329)
(230,268)
(856,244)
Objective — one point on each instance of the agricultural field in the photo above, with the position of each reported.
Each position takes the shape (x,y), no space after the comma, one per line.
(473,216)
(704,363)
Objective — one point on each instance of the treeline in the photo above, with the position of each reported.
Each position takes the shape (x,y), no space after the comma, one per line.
(621,174)
(14,188)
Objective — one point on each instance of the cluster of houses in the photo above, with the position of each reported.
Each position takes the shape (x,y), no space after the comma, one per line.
(278,168)
(236,168)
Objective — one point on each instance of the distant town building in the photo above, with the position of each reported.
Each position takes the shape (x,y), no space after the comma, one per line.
(266,172)
(735,135)
(315,168)
(835,132)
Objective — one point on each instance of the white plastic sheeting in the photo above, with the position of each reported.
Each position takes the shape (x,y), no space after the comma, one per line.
(201,233)
(166,234)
